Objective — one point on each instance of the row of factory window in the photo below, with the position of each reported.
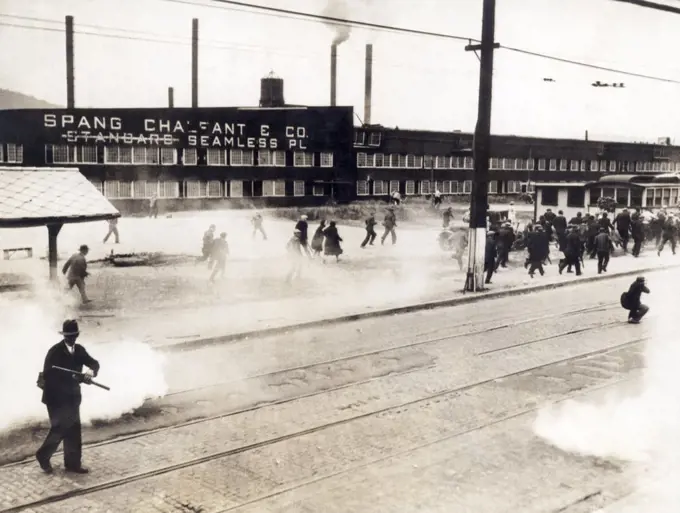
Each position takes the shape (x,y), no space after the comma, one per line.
(380,160)
(11,153)
(154,156)
(195,189)
(425,187)
(367,138)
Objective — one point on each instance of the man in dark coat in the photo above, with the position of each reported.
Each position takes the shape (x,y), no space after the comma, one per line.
(302,227)
(572,252)
(538,246)
(61,395)
(506,237)
(490,255)
(206,248)
(370,231)
(605,222)
(668,234)
(631,301)
(578,220)
(603,246)
(637,232)
(623,224)
(591,232)
(560,226)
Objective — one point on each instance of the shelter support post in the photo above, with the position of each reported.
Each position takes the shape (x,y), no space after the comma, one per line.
(53,231)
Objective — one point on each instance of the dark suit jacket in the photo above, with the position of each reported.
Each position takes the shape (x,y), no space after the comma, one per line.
(60,386)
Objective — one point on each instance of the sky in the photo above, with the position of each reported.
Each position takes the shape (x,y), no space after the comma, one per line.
(418,82)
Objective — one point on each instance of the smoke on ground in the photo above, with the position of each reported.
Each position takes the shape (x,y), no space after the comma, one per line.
(642,428)
(30,326)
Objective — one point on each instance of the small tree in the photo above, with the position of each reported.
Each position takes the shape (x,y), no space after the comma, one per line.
(607,204)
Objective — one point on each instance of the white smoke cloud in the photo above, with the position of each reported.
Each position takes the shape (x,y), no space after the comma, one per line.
(338,9)
(30,326)
(641,428)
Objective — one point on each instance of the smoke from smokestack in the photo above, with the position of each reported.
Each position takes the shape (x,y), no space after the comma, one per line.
(338,9)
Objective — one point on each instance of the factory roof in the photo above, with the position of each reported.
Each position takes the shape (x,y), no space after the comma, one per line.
(39,196)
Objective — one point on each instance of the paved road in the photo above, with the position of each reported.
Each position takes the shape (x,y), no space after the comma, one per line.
(429,411)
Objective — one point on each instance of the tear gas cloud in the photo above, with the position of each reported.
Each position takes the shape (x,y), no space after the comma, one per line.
(639,427)
(30,326)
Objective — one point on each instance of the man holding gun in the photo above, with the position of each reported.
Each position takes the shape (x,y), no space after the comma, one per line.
(61,395)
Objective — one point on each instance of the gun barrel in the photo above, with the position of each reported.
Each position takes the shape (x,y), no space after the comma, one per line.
(80,374)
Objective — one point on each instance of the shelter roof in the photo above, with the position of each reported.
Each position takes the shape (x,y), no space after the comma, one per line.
(39,196)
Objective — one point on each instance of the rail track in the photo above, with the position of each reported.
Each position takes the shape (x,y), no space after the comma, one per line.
(142,476)
(350,357)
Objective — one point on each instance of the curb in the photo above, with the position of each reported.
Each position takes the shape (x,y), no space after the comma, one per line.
(467,299)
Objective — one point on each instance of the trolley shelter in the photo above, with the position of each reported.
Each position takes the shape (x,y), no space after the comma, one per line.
(50,197)
(648,191)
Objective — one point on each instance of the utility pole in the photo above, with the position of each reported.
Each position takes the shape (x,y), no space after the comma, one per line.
(70,74)
(194,63)
(171,97)
(482,141)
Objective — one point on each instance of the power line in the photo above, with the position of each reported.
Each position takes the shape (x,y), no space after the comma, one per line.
(651,5)
(277,12)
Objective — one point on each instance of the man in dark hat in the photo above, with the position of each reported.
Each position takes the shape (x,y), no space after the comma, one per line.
(61,395)
(631,301)
(75,270)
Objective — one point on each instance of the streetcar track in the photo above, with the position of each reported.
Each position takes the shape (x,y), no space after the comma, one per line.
(263,404)
(257,445)
(392,348)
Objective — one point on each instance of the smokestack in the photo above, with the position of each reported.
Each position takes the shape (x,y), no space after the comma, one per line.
(194,63)
(334,71)
(369,84)
(171,97)
(70,73)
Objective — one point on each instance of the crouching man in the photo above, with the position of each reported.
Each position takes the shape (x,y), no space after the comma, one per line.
(631,301)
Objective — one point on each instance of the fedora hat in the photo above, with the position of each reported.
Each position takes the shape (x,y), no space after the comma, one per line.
(70,327)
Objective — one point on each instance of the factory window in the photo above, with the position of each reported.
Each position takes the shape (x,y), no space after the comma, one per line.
(379,160)
(446,187)
(15,153)
(469,163)
(359,138)
(303,159)
(467,187)
(111,188)
(574,165)
(236,188)
(139,189)
(418,162)
(380,188)
(124,155)
(428,161)
(664,166)
(456,187)
(215,189)
(153,188)
(362,160)
(493,187)
(594,165)
(61,154)
(189,157)
(317,190)
(168,156)
(549,196)
(279,158)
(508,164)
(563,165)
(216,157)
(298,188)
(111,155)
(195,189)
(241,157)
(264,158)
(410,188)
(143,155)
(168,189)
(512,187)
(531,164)
(394,186)
(639,166)
(531,187)
(649,166)
(326,159)
(374,139)
(553,164)
(411,161)
(2,153)
(494,164)
(124,189)
(584,165)
(398,160)
(576,197)
(443,162)
(275,188)
(457,162)
(677,167)
(425,187)
(362,188)
(541,164)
